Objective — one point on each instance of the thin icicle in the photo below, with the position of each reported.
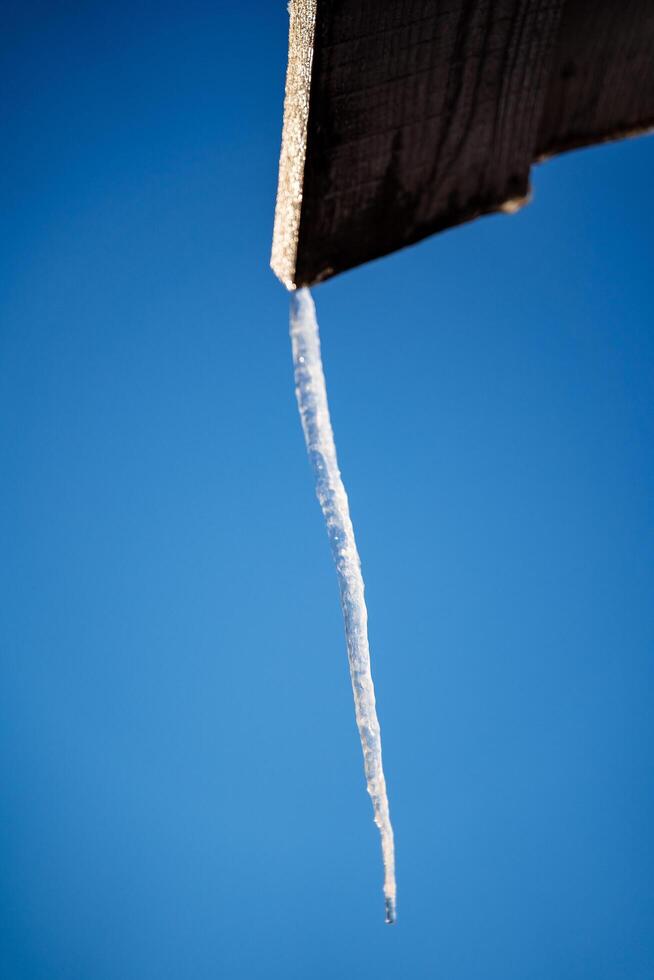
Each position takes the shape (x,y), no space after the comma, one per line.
(314,412)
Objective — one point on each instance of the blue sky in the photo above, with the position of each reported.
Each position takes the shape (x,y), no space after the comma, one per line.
(178,801)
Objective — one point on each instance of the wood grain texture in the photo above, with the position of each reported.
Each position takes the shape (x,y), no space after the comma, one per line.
(602,84)
(427,113)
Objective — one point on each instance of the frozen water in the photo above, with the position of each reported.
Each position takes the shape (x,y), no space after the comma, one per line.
(314,412)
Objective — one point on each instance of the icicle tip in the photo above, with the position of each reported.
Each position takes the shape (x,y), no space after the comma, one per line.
(391,912)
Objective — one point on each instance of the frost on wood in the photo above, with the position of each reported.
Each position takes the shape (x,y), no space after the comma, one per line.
(314,412)
(294,139)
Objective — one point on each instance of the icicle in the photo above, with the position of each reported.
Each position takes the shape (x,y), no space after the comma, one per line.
(314,412)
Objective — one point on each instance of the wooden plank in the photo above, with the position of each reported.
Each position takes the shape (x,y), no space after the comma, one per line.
(422,114)
(602,84)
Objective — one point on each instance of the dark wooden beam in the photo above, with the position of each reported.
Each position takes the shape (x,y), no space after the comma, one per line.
(602,79)
(421,114)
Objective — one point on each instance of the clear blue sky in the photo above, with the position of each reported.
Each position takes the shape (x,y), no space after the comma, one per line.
(182,784)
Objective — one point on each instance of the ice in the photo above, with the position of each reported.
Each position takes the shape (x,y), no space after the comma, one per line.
(314,411)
